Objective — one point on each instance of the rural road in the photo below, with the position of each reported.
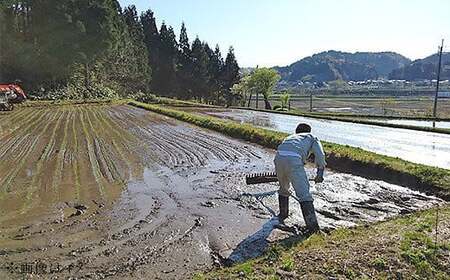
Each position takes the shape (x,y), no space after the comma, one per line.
(416,146)
(117,192)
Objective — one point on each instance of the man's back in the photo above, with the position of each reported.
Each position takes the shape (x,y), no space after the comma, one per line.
(301,145)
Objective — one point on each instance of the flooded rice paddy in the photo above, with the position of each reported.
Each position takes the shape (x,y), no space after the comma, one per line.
(416,146)
(117,192)
(422,123)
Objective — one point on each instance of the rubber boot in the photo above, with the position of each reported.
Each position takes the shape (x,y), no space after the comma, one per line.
(283,202)
(309,215)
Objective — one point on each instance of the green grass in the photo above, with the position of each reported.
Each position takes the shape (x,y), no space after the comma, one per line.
(401,248)
(339,157)
(154,99)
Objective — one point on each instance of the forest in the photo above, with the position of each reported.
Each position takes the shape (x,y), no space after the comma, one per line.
(79,49)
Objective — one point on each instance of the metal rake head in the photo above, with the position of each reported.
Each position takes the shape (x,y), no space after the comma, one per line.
(261,178)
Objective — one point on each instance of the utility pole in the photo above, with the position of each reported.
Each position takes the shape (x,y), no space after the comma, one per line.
(310,102)
(438,79)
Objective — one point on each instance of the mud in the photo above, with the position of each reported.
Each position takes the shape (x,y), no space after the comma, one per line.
(94,192)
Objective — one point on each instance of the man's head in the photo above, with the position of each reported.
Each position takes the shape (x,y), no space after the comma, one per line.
(303,128)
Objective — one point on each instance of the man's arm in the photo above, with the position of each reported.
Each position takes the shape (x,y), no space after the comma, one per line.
(319,159)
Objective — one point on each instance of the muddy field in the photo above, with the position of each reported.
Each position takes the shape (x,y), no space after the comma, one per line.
(116,192)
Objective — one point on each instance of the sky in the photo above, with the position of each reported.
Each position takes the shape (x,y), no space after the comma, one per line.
(280,32)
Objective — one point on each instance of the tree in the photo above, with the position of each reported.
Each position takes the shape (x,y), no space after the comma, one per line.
(200,73)
(243,89)
(284,98)
(230,76)
(166,84)
(135,52)
(185,65)
(215,68)
(88,47)
(264,81)
(45,39)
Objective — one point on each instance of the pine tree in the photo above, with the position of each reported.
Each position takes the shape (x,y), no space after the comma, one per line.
(230,76)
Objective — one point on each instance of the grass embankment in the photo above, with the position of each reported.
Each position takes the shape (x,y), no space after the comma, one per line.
(402,248)
(339,157)
(356,119)
(177,103)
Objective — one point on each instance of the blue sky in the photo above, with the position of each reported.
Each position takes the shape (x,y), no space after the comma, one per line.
(279,32)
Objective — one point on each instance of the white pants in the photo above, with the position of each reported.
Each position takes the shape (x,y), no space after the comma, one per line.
(291,170)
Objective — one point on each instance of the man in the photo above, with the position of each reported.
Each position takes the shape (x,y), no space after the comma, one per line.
(289,165)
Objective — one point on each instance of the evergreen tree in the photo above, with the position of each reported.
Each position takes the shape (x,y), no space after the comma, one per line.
(139,72)
(49,37)
(166,84)
(200,73)
(215,67)
(152,41)
(184,66)
(230,76)
(92,46)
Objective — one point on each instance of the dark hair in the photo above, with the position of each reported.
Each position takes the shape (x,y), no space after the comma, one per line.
(303,128)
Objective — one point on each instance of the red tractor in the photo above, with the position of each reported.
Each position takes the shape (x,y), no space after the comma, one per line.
(9,95)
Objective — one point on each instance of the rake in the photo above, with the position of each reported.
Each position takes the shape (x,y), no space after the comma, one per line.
(262,178)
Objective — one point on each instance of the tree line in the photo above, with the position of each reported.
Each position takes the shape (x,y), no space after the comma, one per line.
(96,48)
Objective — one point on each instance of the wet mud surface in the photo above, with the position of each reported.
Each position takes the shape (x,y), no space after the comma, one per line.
(116,192)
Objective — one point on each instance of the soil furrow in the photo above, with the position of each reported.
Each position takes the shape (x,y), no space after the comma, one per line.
(10,146)
(59,169)
(32,197)
(94,165)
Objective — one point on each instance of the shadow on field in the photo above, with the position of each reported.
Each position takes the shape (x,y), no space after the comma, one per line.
(257,243)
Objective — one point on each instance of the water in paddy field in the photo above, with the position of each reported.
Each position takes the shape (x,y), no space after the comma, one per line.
(416,146)
(440,124)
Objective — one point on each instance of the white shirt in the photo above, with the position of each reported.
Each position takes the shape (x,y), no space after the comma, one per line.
(302,145)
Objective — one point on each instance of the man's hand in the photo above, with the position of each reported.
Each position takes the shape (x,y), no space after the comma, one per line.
(319,176)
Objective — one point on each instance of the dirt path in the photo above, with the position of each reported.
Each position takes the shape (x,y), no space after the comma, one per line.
(184,207)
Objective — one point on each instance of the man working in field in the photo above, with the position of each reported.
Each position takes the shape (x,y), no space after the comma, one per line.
(289,165)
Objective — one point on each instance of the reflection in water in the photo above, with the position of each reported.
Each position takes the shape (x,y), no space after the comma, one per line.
(422,123)
(416,146)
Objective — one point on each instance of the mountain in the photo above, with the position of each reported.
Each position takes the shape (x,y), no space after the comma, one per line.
(336,65)
(423,69)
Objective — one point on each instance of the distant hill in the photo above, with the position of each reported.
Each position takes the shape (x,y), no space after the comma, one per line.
(423,69)
(336,65)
